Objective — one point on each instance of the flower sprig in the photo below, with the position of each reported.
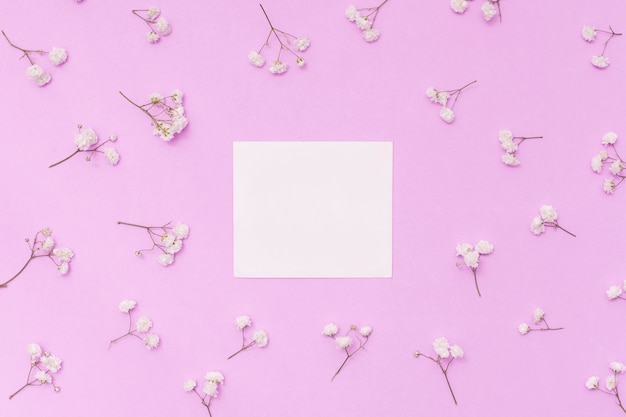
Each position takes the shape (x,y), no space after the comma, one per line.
(167,114)
(167,239)
(615,292)
(539,319)
(442,96)
(364,18)
(43,364)
(547,218)
(43,246)
(259,337)
(156,24)
(616,163)
(471,255)
(212,380)
(489,9)
(510,145)
(611,383)
(300,44)
(344,342)
(589,34)
(35,72)
(142,325)
(85,141)
(445,355)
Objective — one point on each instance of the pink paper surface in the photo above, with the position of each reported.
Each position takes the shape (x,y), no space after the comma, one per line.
(534,77)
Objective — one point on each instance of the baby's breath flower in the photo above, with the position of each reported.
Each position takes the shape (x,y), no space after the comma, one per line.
(446,114)
(548,217)
(539,319)
(346,341)
(127,305)
(242,321)
(445,354)
(142,325)
(488,10)
(151,341)
(589,33)
(592,382)
(371,35)
(38,362)
(155,23)
(302,44)
(442,96)
(166,113)
(189,385)
(256,59)
(364,19)
(85,141)
(459,6)
(57,55)
(471,256)
(278,67)
(352,13)
(259,337)
(600,61)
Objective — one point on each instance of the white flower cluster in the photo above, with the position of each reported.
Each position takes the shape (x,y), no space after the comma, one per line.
(344,342)
(35,72)
(85,141)
(611,383)
(43,364)
(589,34)
(471,255)
(547,217)
(539,319)
(615,291)
(166,113)
(442,97)
(365,21)
(167,239)
(158,24)
(212,381)
(300,44)
(489,9)
(259,337)
(510,145)
(446,353)
(44,246)
(616,163)
(142,325)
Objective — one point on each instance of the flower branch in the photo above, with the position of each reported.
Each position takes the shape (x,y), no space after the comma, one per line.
(442,96)
(539,319)
(445,355)
(156,24)
(259,337)
(142,326)
(212,380)
(364,19)
(510,145)
(43,364)
(471,256)
(166,239)
(43,246)
(85,141)
(589,34)
(611,383)
(615,163)
(167,114)
(547,218)
(344,342)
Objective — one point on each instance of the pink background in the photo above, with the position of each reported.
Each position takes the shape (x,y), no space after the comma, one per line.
(534,77)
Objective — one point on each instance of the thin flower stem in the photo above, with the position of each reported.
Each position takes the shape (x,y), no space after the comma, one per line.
(25,51)
(63,160)
(613,34)
(457,93)
(208,406)
(566,231)
(4,285)
(499,11)
(476,281)
(154,120)
(19,390)
(249,345)
(349,355)
(445,374)
(342,365)
(148,22)
(143,227)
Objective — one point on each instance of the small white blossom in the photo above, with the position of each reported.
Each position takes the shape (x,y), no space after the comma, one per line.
(34,72)
(155,98)
(260,338)
(175,247)
(431,93)
(46,232)
(523,328)
(64,254)
(85,139)
(505,135)
(210,388)
(609,185)
(609,138)
(143,324)
(484,247)
(442,97)
(508,145)
(509,159)
(162,26)
(43,377)
(617,367)
(111,155)
(343,342)
(471,259)
(456,351)
(459,6)
(181,230)
(302,44)
(151,340)
(47,244)
(488,10)
(548,213)
(51,362)
(603,154)
(616,167)
(596,163)
(614,292)
(57,55)
(241,322)
(189,385)
(177,96)
(363,23)
(153,12)
(536,226)
(127,305)
(215,377)
(152,36)
(600,61)
(371,35)
(278,67)
(352,13)
(611,382)
(592,382)
(464,248)
(165,259)
(64,268)
(441,346)
(330,329)
(43,80)
(365,331)
(256,59)
(446,114)
(538,315)
(589,33)
(34,350)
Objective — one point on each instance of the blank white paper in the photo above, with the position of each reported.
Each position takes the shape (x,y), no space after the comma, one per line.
(312,209)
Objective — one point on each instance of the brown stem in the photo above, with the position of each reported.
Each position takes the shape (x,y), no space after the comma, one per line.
(341,367)
(445,374)
(19,390)
(249,345)
(4,285)
(63,160)
(476,281)
(566,231)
